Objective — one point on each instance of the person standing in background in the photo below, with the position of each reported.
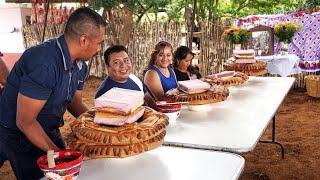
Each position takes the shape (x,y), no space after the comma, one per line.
(45,82)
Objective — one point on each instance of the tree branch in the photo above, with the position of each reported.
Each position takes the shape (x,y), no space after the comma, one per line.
(143,12)
(242,4)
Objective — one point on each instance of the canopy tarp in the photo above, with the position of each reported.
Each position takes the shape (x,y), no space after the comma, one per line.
(305,43)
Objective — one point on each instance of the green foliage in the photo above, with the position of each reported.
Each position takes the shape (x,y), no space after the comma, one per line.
(138,7)
(174,10)
(310,4)
(243,8)
(285,31)
(237,35)
(209,9)
(109,4)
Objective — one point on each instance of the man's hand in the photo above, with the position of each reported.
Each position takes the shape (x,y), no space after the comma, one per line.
(27,111)
(76,107)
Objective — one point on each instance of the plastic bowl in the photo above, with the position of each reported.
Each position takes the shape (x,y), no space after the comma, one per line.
(68,165)
(172,110)
(204,107)
(168,108)
(173,116)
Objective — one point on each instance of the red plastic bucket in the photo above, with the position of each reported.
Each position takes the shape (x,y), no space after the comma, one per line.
(68,165)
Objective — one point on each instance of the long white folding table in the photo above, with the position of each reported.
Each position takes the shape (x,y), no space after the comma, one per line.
(236,124)
(166,163)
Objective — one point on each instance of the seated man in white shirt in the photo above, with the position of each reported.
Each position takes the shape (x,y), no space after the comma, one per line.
(119,68)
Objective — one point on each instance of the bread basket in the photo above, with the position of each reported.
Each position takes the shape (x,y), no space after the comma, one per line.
(313,85)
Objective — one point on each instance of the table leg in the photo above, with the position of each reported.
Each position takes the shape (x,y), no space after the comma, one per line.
(273,141)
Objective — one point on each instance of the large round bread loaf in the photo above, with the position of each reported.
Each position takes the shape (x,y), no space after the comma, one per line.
(97,141)
(215,94)
(236,80)
(151,124)
(250,69)
(93,150)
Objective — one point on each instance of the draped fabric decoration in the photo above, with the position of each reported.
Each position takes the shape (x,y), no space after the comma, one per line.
(56,15)
(305,43)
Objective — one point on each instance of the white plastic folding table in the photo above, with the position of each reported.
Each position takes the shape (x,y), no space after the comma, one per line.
(236,124)
(166,163)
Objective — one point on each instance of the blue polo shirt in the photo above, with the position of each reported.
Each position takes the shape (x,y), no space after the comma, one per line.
(44,72)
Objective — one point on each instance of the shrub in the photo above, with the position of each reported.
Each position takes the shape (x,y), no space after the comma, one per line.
(285,31)
(237,35)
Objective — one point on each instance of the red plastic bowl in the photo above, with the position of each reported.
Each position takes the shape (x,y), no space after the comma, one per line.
(168,108)
(68,165)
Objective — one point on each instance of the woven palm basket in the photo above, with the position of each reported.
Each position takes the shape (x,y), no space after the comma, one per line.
(313,85)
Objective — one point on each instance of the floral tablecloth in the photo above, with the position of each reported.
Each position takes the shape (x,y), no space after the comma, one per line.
(305,43)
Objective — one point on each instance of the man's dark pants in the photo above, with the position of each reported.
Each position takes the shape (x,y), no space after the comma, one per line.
(22,154)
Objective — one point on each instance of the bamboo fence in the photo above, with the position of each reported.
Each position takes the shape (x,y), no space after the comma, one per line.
(215,49)
(144,39)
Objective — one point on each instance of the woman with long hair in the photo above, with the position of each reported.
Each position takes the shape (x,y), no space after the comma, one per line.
(182,64)
(159,76)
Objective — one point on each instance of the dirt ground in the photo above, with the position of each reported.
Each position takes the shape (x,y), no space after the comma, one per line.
(297,128)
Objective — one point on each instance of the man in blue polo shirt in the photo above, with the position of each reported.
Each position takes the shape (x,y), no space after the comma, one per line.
(45,81)
(4,71)
(119,69)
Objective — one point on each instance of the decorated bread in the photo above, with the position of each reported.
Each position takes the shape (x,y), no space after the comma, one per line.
(253,69)
(129,139)
(194,86)
(244,56)
(215,94)
(119,106)
(93,150)
(152,123)
(237,79)
(244,53)
(222,74)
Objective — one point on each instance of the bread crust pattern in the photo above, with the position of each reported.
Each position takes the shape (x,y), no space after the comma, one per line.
(94,151)
(236,80)
(251,69)
(215,94)
(96,140)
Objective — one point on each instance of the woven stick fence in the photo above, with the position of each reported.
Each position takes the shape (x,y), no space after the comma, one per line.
(215,49)
(144,39)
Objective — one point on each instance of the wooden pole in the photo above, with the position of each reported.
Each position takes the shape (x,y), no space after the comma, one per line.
(45,20)
(192,24)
